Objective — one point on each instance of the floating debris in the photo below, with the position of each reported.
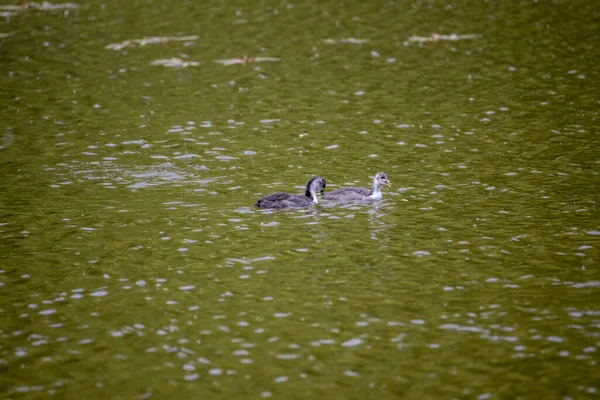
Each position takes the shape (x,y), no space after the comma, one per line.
(245,60)
(44,6)
(8,13)
(435,37)
(149,40)
(175,63)
(47,6)
(5,35)
(349,40)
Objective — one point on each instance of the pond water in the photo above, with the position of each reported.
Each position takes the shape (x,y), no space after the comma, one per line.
(134,265)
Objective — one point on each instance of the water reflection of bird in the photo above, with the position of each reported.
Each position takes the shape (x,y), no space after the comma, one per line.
(350,193)
(286,200)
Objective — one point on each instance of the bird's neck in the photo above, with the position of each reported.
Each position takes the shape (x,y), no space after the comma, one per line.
(376,192)
(375,195)
(314,197)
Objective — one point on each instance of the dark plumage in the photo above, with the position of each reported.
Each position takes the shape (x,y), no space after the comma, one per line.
(286,200)
(350,193)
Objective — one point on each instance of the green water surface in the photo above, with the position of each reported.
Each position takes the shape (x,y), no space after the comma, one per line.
(132,261)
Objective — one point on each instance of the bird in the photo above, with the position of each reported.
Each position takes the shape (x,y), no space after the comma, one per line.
(351,193)
(286,200)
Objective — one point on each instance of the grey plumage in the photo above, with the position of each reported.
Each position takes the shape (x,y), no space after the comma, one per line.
(287,200)
(350,193)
